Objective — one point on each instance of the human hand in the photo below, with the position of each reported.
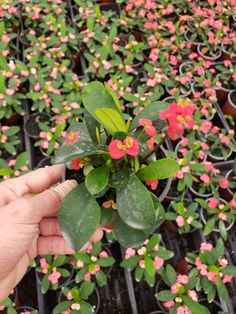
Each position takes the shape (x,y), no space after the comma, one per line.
(28,224)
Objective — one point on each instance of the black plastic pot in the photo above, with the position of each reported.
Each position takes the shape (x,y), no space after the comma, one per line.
(44,162)
(31,127)
(212,58)
(114,7)
(94,299)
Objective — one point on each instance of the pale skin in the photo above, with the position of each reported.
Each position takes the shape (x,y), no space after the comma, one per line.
(29,225)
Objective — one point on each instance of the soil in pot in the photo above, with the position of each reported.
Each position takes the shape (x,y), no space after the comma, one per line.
(31,126)
(229,107)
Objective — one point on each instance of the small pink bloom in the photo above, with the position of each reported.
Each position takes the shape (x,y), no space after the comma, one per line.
(227,278)
(43,262)
(180,221)
(233,203)
(222,216)
(192,294)
(148,127)
(152,183)
(103,254)
(54,276)
(79,264)
(224,183)
(87,277)
(141,263)
(206,247)
(205,178)
(69,296)
(212,203)
(158,262)
(169,304)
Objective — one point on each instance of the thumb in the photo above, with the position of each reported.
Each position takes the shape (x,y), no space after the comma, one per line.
(45,204)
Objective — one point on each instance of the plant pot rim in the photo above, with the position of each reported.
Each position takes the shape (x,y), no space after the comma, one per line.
(222,87)
(200,194)
(229,98)
(214,229)
(227,177)
(225,51)
(95,291)
(210,58)
(182,65)
(177,146)
(188,39)
(31,116)
(26,307)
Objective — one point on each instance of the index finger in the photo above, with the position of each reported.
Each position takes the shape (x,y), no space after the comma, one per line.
(35,182)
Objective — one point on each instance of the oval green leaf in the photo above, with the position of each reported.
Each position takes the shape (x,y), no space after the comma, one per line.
(97,180)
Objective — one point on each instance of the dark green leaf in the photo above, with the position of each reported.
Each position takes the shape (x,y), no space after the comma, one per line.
(79,216)
(61,307)
(165,295)
(97,180)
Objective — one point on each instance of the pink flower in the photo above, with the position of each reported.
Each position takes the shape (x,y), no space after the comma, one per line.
(79,264)
(205,178)
(72,137)
(67,312)
(119,149)
(103,254)
(75,163)
(184,142)
(148,127)
(183,279)
(233,203)
(179,116)
(87,277)
(152,183)
(174,288)
(206,247)
(183,310)
(213,277)
(69,296)
(141,263)
(192,294)
(224,183)
(107,65)
(43,262)
(158,262)
(212,203)
(224,139)
(54,276)
(227,278)
(206,126)
(169,304)
(180,221)
(2,307)
(222,216)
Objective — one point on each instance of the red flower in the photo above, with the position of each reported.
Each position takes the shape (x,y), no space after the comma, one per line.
(72,137)
(152,183)
(119,149)
(179,116)
(148,127)
(75,163)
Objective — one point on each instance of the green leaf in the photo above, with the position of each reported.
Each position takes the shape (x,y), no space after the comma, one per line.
(110,120)
(3,64)
(86,289)
(118,179)
(101,278)
(83,256)
(211,294)
(127,236)
(59,261)
(97,180)
(135,205)
(230,270)
(70,151)
(159,169)
(219,249)
(171,274)
(2,28)
(2,83)
(222,290)
(45,284)
(79,216)
(21,160)
(152,242)
(165,295)
(131,262)
(138,274)
(149,266)
(85,308)
(107,216)
(223,231)
(95,96)
(113,95)
(106,261)
(61,307)
(151,112)
(194,307)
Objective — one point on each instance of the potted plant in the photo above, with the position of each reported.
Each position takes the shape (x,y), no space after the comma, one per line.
(147,260)
(90,265)
(8,140)
(112,159)
(212,270)
(14,167)
(76,298)
(228,191)
(180,295)
(53,272)
(185,214)
(226,81)
(217,215)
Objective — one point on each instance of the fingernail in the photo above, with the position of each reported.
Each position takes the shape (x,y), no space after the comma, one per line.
(64,188)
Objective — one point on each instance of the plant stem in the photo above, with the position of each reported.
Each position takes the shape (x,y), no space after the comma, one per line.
(155,149)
